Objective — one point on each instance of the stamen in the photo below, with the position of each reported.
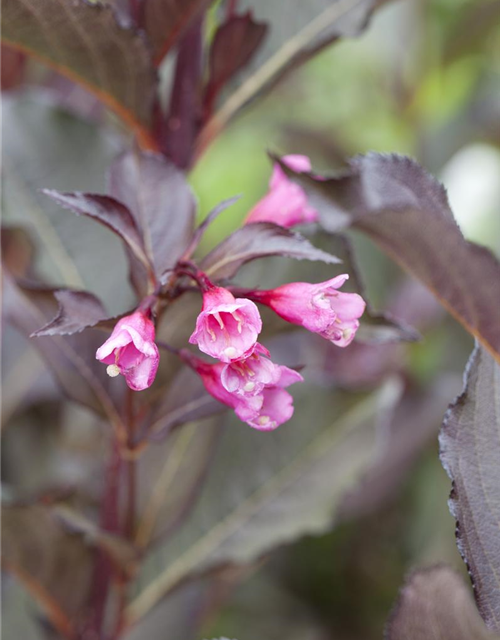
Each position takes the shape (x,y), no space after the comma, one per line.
(264,420)
(239,321)
(216,315)
(213,337)
(250,386)
(112,370)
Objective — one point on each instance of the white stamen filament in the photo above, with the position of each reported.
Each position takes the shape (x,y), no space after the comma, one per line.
(216,315)
(112,371)
(213,337)
(239,321)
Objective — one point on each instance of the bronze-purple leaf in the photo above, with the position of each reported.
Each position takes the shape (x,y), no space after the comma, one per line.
(260,240)
(70,358)
(109,212)
(435,604)
(182,123)
(405,211)
(165,21)
(470,453)
(54,566)
(89,45)
(186,400)
(234,44)
(77,311)
(161,202)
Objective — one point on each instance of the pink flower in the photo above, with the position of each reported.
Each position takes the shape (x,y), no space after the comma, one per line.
(248,377)
(264,406)
(286,203)
(131,351)
(320,308)
(227,327)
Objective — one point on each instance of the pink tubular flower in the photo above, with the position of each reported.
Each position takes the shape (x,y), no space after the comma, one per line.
(248,377)
(227,327)
(131,351)
(286,203)
(320,308)
(263,406)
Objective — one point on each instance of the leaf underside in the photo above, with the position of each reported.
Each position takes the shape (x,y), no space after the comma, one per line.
(470,451)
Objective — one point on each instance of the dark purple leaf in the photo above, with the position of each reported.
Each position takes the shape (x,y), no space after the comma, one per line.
(87,44)
(119,550)
(259,240)
(185,400)
(470,451)
(161,201)
(375,328)
(109,212)
(71,359)
(77,311)
(53,565)
(234,44)
(165,21)
(435,604)
(184,116)
(405,211)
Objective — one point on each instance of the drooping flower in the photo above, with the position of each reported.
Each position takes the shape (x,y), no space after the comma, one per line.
(249,376)
(285,203)
(320,308)
(227,327)
(264,406)
(131,351)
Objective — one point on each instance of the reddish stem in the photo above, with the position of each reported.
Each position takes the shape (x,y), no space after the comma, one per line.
(129,525)
(109,521)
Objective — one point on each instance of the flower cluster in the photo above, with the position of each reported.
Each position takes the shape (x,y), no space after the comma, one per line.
(228,327)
